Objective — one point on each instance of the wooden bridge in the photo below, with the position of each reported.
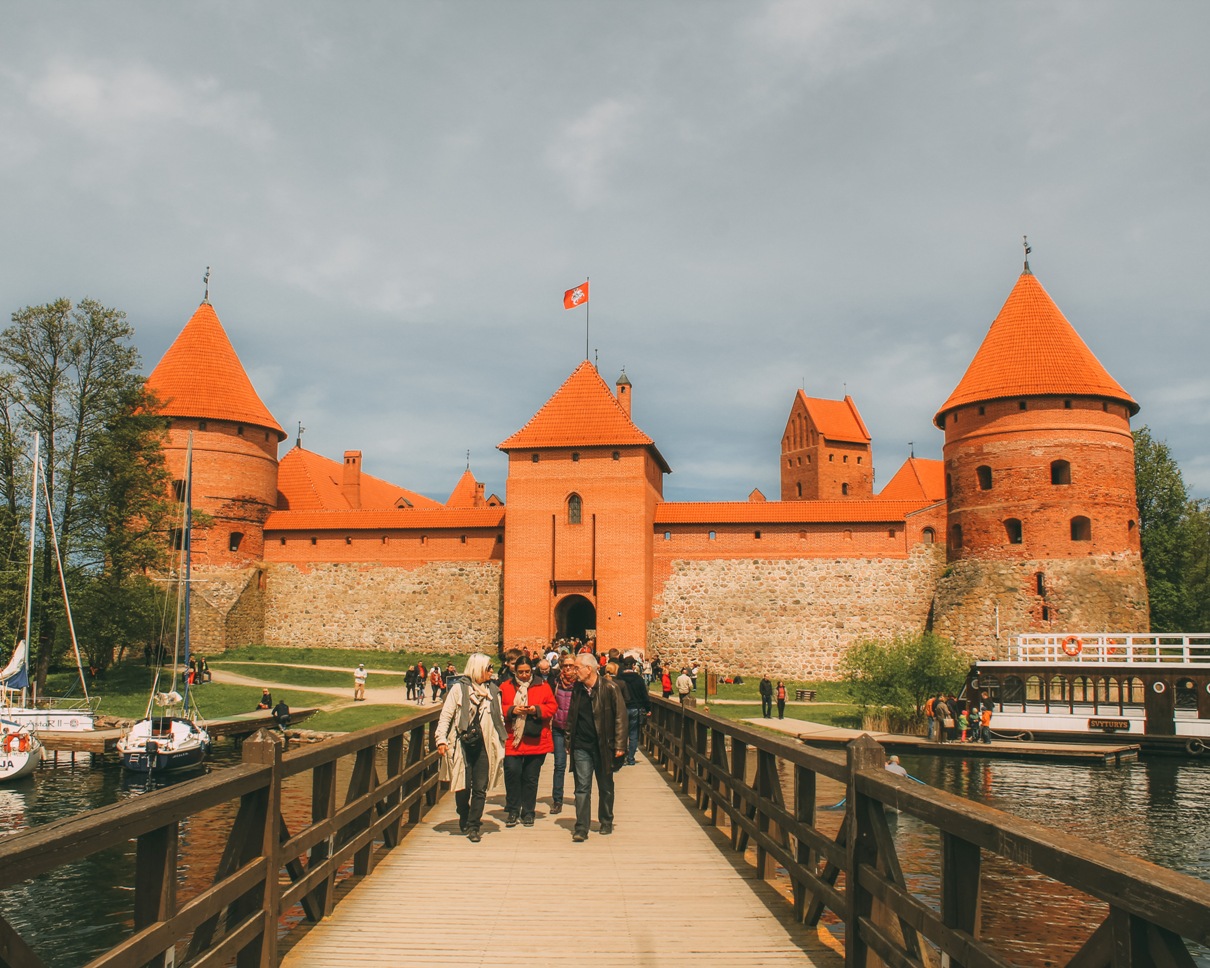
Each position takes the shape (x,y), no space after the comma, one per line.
(721,856)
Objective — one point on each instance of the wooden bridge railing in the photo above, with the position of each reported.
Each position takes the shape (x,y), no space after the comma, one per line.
(265,868)
(734,773)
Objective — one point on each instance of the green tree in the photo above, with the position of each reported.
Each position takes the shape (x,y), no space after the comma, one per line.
(1168,524)
(902,673)
(70,374)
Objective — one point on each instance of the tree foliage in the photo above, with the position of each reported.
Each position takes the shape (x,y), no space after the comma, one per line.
(69,373)
(1175,535)
(904,672)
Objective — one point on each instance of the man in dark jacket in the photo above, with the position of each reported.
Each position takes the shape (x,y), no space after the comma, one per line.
(766,698)
(596,732)
(637,706)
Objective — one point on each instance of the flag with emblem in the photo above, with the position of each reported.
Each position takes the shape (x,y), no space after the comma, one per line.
(576,296)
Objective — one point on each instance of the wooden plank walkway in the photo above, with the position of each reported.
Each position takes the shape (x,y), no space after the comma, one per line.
(659,891)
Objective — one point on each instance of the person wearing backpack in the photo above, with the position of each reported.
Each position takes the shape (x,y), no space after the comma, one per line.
(470,741)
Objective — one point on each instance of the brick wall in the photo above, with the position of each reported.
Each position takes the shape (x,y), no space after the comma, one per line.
(789,617)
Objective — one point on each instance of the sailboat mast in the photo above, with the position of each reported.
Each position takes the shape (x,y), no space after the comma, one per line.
(188,556)
(29,577)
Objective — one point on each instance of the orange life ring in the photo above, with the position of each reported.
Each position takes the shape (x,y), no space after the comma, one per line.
(1072,645)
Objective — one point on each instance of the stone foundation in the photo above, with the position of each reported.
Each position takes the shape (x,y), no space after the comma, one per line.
(789,618)
(435,607)
(227,609)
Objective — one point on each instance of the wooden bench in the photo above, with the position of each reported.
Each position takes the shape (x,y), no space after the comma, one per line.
(804,695)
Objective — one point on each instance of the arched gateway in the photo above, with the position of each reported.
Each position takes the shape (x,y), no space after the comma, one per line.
(575,615)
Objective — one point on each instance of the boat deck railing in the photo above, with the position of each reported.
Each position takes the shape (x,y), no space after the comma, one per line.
(1107,647)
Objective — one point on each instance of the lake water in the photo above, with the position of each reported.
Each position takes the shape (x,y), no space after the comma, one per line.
(1158,809)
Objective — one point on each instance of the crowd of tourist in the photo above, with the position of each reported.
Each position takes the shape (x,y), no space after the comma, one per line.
(953,720)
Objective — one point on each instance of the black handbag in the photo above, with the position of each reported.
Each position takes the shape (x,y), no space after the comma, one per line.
(533,727)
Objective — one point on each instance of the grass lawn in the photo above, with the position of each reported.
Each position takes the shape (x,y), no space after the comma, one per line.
(356,717)
(301,676)
(847,715)
(750,689)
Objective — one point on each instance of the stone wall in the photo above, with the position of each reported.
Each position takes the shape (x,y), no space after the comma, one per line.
(790,618)
(227,609)
(435,607)
(1107,593)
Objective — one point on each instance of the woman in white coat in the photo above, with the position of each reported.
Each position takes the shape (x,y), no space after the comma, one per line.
(470,739)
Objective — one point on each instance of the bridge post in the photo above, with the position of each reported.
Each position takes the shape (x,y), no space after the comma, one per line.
(155,883)
(264,748)
(861,847)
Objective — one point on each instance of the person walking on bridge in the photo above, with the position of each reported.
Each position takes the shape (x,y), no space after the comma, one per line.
(528,709)
(470,740)
(597,727)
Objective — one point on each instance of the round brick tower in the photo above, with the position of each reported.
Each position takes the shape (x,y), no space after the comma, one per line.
(1042,529)
(205,391)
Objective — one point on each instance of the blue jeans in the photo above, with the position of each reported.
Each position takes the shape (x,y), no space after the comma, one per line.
(932,727)
(587,763)
(636,717)
(560,738)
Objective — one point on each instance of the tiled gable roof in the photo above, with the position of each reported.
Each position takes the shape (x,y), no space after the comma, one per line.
(307,481)
(582,413)
(836,419)
(465,491)
(201,376)
(917,480)
(1032,350)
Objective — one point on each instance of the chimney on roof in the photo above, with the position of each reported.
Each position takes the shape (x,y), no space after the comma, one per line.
(624,389)
(350,485)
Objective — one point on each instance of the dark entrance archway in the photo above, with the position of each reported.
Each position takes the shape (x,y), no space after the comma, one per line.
(575,615)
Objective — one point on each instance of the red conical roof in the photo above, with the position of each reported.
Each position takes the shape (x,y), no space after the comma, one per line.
(582,413)
(200,376)
(1032,350)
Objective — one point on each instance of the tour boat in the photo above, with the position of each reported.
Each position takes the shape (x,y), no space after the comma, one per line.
(172,739)
(18,703)
(20,751)
(1152,689)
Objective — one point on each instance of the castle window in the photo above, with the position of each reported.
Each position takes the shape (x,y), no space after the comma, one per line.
(1105,407)
(949,486)
(1045,613)
(928,536)
(848,535)
(799,488)
(384,539)
(713,535)
(424,538)
(844,489)
(667,535)
(499,539)
(617,455)
(1066,404)
(1020,404)
(890,532)
(1130,525)
(831,457)
(1081,529)
(201,425)
(756,534)
(575,456)
(234,539)
(536,458)
(1040,583)
(808,458)
(348,539)
(800,462)
(789,461)
(1060,472)
(982,411)
(802,536)
(984,473)
(314,541)
(858,460)
(266,435)
(282,540)
(1012,528)
(575,509)
(239,430)
(464,539)
(956,536)
(178,490)
(846,458)
(955,420)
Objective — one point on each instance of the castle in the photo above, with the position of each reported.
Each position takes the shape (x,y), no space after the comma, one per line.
(1028,524)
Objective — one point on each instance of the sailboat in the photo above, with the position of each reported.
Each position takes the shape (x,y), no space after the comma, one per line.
(19,705)
(171,739)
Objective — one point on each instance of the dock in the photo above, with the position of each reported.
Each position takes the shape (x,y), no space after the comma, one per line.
(103,741)
(837,737)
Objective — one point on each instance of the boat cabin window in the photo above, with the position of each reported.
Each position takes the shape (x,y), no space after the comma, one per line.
(1186,694)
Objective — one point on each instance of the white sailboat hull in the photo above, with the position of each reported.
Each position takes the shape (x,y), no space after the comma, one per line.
(20,751)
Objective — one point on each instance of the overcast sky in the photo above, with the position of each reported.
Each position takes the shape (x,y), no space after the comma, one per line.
(767,196)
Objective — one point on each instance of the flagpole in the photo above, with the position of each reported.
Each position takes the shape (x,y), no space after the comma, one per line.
(587,279)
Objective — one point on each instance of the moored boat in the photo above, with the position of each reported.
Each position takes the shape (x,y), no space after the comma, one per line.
(1153,689)
(20,750)
(164,744)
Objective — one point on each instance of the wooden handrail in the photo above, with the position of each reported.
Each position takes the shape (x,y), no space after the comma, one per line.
(731,772)
(237,916)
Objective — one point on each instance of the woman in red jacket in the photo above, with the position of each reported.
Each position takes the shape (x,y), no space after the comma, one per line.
(528,709)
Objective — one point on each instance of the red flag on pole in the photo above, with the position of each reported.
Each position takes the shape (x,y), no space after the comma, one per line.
(576,296)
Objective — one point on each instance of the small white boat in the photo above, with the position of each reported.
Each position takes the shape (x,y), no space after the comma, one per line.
(20,751)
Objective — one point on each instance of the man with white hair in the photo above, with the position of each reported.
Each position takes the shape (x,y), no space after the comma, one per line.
(597,728)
